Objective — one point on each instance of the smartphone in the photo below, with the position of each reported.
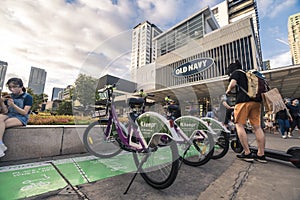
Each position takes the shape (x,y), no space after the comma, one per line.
(7,96)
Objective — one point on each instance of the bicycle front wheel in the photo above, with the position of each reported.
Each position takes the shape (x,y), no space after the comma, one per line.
(200,152)
(97,143)
(159,167)
(221,147)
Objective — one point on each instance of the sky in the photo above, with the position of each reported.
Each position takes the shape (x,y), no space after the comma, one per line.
(93,37)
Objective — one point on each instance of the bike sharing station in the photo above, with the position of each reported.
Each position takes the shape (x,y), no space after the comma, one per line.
(27,180)
(197,68)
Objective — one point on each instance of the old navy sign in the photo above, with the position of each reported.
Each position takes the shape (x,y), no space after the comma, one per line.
(193,67)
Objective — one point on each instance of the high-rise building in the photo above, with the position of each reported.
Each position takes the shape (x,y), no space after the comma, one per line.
(294,37)
(143,49)
(3,68)
(55,92)
(37,80)
(230,11)
(190,29)
(266,65)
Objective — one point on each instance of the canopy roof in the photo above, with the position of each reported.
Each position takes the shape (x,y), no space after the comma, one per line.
(285,79)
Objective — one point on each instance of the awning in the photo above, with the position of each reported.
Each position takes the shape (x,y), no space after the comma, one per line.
(285,79)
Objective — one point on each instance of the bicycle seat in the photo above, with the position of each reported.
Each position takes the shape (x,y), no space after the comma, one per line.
(172,108)
(135,102)
(99,108)
(101,102)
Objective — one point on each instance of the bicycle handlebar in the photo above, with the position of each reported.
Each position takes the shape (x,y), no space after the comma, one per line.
(107,87)
(150,95)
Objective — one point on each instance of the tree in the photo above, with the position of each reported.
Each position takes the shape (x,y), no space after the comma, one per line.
(85,90)
(38,99)
(65,108)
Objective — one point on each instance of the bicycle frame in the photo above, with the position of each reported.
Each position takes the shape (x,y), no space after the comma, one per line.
(183,138)
(132,130)
(125,139)
(139,137)
(215,125)
(180,137)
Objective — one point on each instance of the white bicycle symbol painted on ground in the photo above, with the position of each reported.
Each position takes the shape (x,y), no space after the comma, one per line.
(30,184)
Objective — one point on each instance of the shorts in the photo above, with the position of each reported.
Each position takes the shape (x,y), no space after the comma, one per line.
(22,118)
(248,110)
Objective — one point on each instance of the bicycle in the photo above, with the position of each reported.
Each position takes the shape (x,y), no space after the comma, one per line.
(157,161)
(192,135)
(223,137)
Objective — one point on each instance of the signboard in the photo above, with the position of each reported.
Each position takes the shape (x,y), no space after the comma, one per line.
(193,67)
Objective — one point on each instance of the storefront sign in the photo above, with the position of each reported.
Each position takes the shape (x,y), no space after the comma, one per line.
(193,67)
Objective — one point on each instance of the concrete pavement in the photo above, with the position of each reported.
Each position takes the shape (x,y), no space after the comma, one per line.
(275,180)
(226,178)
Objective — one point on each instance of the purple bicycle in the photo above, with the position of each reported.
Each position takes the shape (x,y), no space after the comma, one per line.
(147,136)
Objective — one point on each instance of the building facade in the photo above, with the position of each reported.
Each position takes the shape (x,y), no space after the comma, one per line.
(55,93)
(193,56)
(143,50)
(3,68)
(37,80)
(294,37)
(223,46)
(193,28)
(231,11)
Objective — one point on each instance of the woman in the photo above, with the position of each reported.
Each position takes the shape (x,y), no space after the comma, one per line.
(15,108)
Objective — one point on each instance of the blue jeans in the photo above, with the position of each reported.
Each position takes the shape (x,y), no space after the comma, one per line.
(284,125)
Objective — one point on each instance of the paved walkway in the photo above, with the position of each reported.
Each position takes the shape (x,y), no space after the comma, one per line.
(273,180)
(226,178)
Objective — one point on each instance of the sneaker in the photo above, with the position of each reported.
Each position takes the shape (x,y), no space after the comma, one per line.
(261,159)
(247,158)
(1,153)
(3,148)
(290,135)
(284,136)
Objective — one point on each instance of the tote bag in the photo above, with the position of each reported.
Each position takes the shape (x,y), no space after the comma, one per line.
(272,101)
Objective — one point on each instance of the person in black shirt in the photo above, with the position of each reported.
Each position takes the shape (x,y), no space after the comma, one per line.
(246,109)
(295,113)
(282,118)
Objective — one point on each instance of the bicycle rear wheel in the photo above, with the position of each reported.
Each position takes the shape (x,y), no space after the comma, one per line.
(200,152)
(161,165)
(96,142)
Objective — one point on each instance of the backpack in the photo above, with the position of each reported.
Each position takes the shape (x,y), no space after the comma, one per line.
(257,85)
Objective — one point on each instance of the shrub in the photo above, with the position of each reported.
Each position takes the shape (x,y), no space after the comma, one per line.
(57,120)
(47,119)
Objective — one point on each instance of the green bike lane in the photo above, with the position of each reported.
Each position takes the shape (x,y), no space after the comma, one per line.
(26,180)
(31,179)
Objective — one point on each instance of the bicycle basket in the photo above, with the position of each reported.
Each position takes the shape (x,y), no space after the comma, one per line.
(99,111)
(100,108)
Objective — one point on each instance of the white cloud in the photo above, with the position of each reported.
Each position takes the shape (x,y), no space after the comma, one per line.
(68,38)
(272,8)
(282,41)
(281,60)
(56,36)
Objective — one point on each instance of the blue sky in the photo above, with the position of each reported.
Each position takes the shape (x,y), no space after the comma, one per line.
(73,36)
